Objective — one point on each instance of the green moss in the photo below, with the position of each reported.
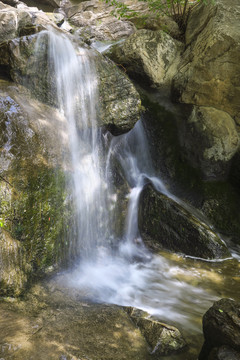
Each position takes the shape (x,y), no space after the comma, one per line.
(37,215)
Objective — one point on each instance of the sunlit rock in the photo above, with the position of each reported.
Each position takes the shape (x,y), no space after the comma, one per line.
(94,20)
(15,22)
(208,73)
(149,55)
(52,322)
(162,338)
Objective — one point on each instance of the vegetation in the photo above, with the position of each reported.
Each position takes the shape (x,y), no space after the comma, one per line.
(177,9)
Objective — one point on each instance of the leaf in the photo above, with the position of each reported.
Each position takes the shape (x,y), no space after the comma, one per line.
(220,310)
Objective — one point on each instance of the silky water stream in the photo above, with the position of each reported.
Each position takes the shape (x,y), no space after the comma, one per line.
(122,271)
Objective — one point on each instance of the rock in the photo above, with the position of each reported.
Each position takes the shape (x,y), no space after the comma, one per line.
(15,22)
(51,323)
(162,338)
(33,195)
(208,74)
(96,21)
(166,223)
(120,104)
(14,267)
(221,328)
(210,140)
(224,353)
(149,55)
(158,22)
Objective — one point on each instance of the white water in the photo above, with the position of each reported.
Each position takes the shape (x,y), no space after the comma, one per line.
(129,275)
(77,94)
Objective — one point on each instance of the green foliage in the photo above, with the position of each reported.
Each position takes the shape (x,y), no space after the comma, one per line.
(177,9)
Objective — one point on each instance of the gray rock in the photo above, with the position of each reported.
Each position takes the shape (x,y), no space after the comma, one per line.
(151,55)
(164,223)
(208,74)
(15,22)
(210,140)
(96,21)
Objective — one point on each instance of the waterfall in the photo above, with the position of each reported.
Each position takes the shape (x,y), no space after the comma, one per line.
(125,274)
(77,97)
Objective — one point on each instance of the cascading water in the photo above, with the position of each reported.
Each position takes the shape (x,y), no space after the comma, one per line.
(77,97)
(129,274)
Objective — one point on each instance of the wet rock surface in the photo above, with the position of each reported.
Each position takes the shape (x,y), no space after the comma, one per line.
(221,328)
(165,223)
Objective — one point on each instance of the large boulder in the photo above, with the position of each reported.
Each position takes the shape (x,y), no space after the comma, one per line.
(208,74)
(210,140)
(150,55)
(164,223)
(221,328)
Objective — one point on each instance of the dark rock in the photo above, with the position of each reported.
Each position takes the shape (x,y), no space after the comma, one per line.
(224,353)
(165,223)
(221,328)
(210,140)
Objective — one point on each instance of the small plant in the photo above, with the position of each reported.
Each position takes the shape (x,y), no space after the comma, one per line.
(177,9)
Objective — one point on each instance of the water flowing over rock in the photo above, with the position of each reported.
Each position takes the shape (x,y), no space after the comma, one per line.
(26,60)
(208,74)
(166,223)
(210,140)
(149,55)
(221,328)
